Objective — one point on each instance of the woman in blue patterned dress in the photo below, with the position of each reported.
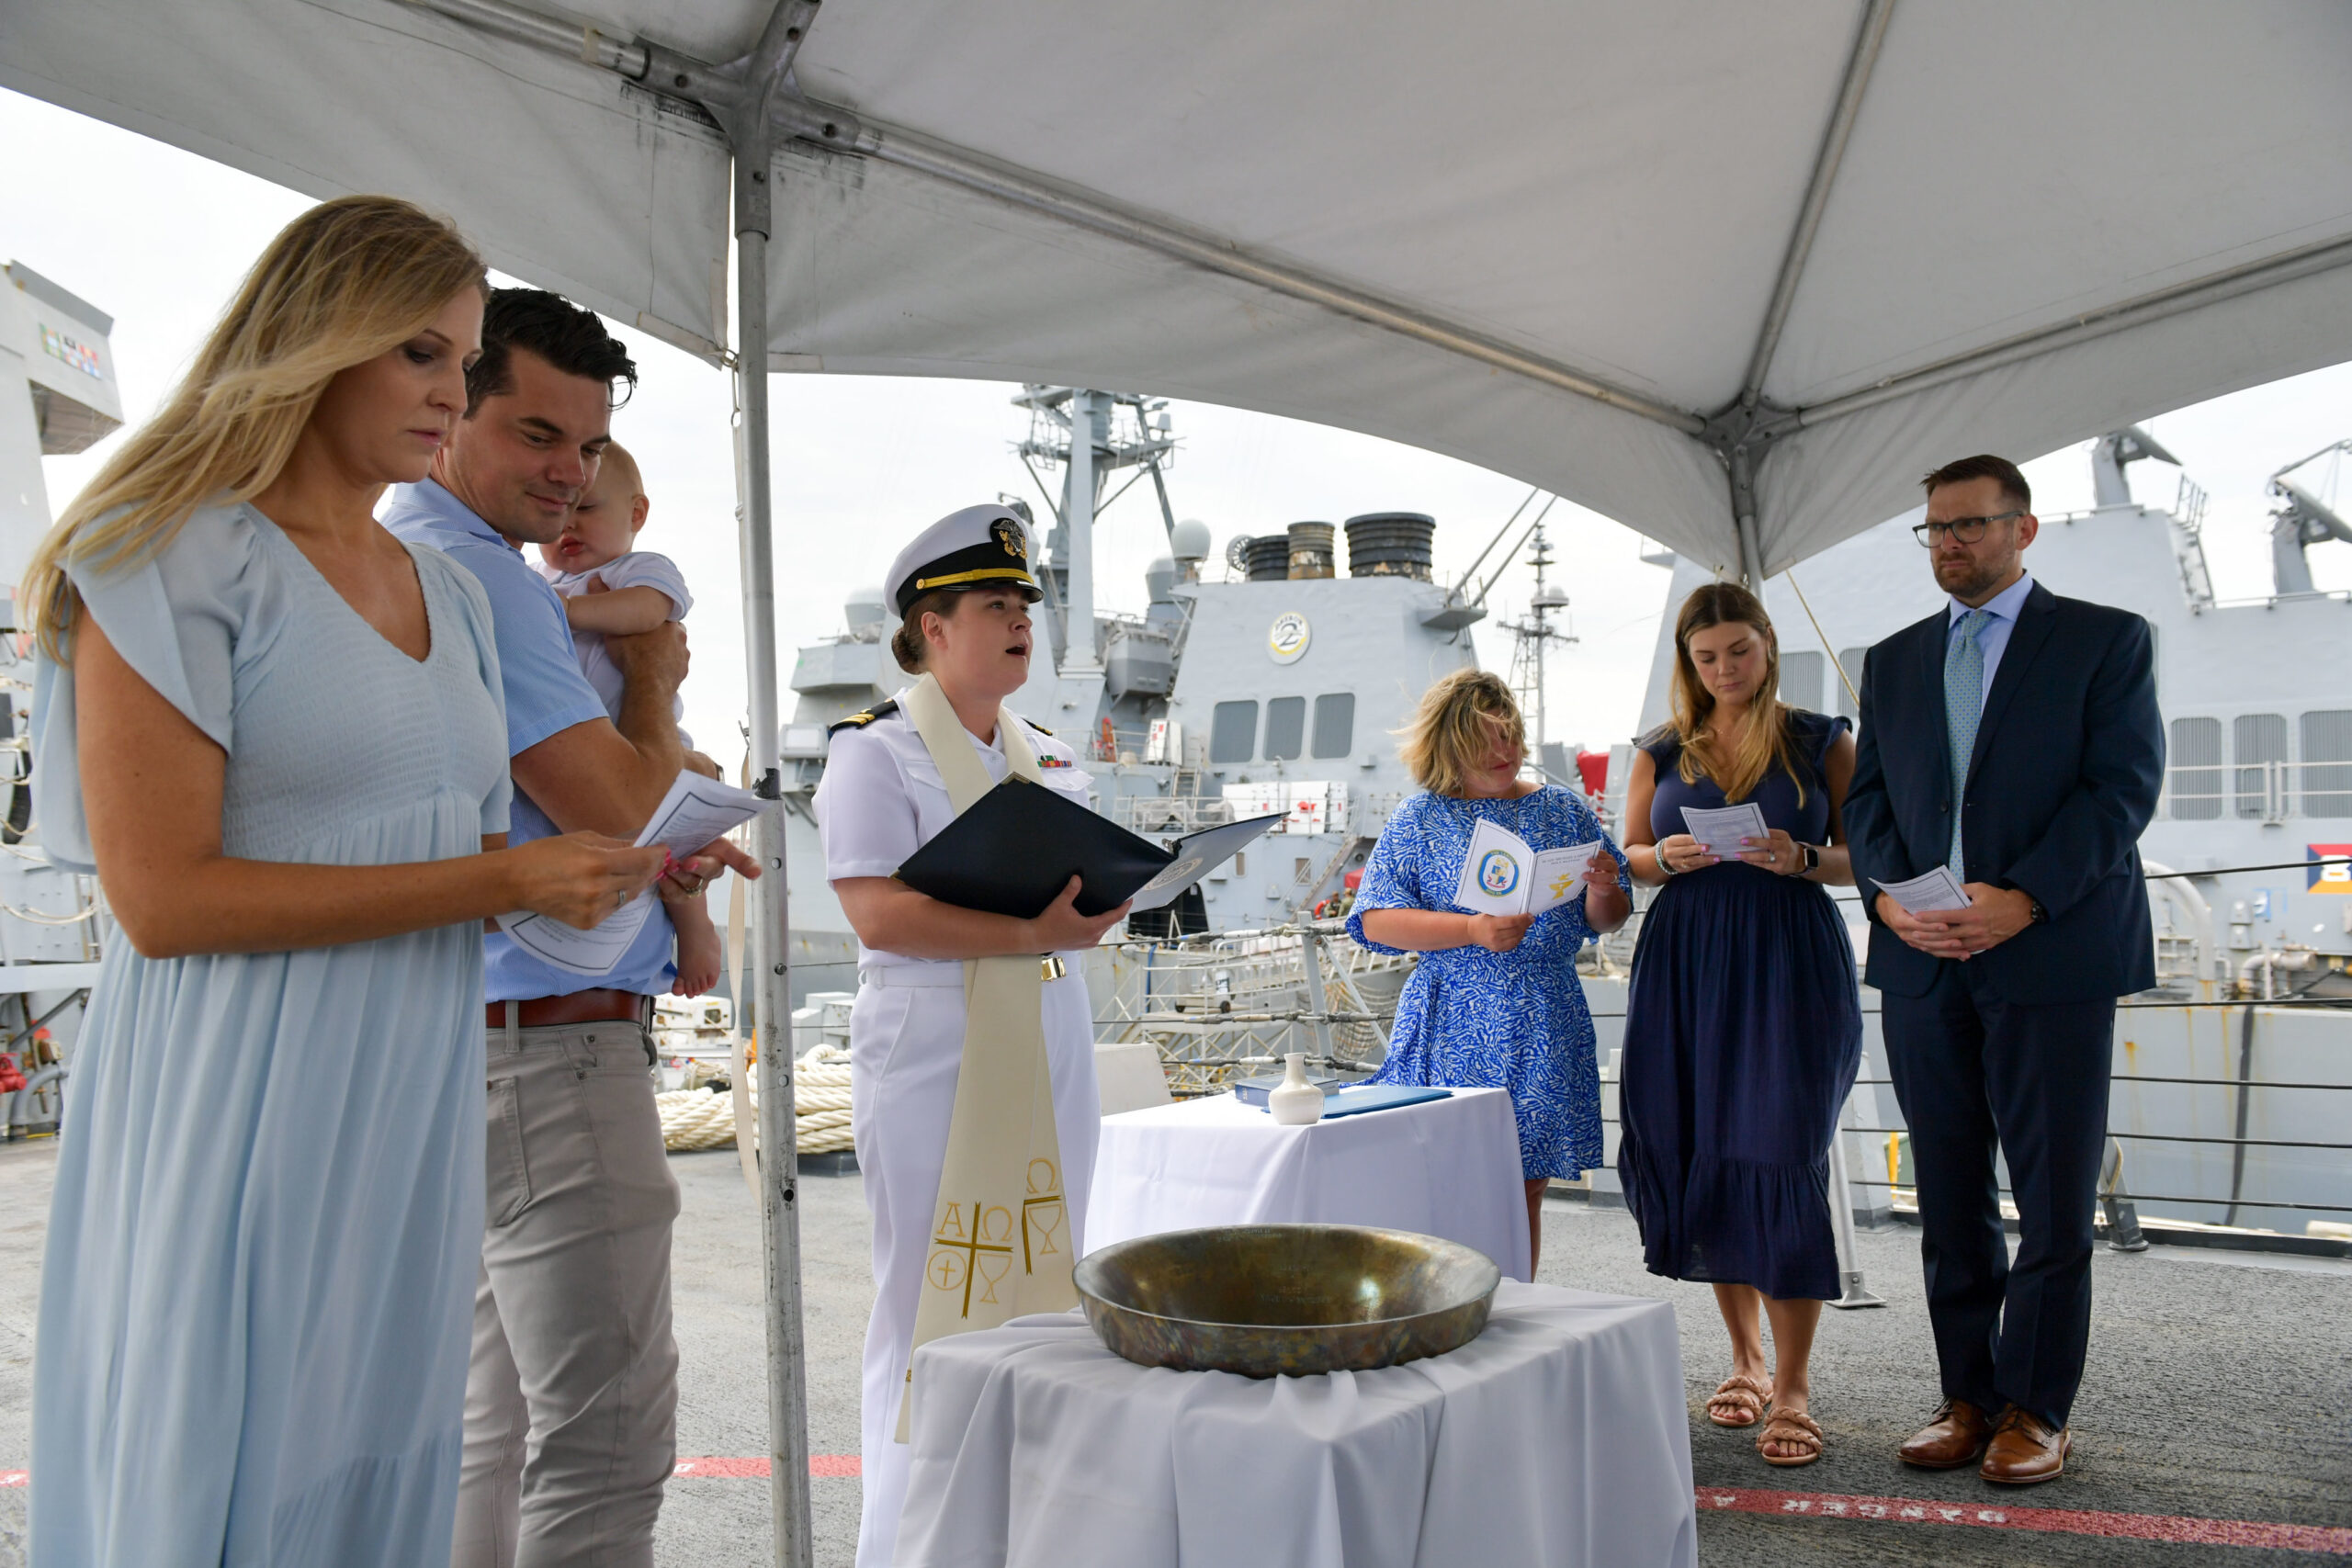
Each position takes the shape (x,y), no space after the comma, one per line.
(1494,1002)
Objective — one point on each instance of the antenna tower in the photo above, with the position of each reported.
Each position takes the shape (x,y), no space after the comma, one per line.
(1533,637)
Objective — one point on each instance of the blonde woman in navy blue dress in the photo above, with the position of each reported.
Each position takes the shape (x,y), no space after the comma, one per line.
(1495,1002)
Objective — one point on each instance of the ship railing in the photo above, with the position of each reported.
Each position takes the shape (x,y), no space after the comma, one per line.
(1227,1005)
(1167,815)
(2119,1204)
(2184,959)
(2258,791)
(1170,815)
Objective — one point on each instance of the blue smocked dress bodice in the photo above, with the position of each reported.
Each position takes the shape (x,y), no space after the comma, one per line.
(1472,1018)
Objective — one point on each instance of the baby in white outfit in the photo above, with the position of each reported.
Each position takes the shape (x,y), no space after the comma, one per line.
(611,589)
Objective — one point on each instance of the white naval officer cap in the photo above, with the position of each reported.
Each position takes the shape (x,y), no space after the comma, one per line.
(971,549)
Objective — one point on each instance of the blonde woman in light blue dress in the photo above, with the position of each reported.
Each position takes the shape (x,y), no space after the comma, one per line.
(276,734)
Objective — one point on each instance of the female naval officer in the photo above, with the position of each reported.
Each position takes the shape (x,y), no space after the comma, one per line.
(942,988)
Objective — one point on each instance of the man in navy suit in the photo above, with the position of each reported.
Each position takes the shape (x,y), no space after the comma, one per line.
(2013,737)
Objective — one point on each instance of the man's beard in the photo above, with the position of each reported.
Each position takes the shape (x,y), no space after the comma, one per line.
(1979,579)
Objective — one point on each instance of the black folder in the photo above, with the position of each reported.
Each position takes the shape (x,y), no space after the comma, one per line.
(1018,845)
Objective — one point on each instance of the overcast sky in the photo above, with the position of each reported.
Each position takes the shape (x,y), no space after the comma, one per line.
(158,238)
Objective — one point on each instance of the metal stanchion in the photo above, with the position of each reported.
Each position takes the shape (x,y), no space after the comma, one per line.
(2122,1214)
(1853,1292)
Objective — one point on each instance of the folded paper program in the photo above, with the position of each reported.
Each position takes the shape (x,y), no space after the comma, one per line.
(1938,889)
(1724,829)
(1503,875)
(695,811)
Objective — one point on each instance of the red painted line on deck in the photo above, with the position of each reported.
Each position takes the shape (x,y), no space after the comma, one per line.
(2066,1521)
(2257,1533)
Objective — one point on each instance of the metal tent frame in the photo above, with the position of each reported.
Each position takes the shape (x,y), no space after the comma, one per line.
(1757,481)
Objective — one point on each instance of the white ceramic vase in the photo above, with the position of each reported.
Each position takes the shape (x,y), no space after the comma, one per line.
(1294,1102)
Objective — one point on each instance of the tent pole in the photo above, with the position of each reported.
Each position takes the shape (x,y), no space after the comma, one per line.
(1876,14)
(779,1146)
(754,144)
(1743,512)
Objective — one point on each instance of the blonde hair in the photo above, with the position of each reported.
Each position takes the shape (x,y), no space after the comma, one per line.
(1764,740)
(1456,727)
(617,459)
(347,281)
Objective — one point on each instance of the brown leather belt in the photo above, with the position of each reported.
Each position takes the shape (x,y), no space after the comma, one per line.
(603,1004)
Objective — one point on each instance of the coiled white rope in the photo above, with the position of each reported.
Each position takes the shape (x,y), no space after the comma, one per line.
(700,1119)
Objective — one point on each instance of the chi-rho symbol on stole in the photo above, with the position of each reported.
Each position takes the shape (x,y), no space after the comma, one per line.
(972,1252)
(1002,1241)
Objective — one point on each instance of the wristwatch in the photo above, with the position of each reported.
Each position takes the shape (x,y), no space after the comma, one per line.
(1812,857)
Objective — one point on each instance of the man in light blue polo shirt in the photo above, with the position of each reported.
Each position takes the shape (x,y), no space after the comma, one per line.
(572,1391)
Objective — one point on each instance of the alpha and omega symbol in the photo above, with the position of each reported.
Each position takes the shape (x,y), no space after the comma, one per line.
(1042,1214)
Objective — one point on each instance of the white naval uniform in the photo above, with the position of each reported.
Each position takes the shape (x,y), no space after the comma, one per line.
(881,799)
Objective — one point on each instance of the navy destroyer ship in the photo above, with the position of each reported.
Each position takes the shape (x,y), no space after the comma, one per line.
(1267,675)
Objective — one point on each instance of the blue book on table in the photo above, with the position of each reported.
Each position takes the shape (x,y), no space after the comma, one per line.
(1359,1097)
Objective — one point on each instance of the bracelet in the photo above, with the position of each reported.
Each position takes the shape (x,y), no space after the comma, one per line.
(1665,867)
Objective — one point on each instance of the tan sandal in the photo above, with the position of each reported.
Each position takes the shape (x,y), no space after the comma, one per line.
(1745,1395)
(1788,1426)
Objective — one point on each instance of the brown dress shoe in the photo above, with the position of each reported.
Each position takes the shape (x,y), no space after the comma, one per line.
(2025,1450)
(1955,1437)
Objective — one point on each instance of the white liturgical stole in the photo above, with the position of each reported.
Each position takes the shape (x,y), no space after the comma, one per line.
(1000,1235)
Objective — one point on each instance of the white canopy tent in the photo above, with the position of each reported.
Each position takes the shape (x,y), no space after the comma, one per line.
(1732,275)
(1566,242)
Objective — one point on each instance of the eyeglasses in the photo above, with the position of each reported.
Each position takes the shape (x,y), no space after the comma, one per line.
(1967,530)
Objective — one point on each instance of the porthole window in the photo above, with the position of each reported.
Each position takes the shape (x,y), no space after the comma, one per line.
(2260,739)
(1233,732)
(2328,763)
(1800,680)
(1286,728)
(1335,724)
(1848,704)
(2195,770)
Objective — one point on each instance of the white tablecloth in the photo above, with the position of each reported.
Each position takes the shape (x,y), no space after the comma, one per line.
(1446,1167)
(1558,1438)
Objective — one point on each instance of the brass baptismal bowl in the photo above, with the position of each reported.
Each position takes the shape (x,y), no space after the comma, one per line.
(1268,1301)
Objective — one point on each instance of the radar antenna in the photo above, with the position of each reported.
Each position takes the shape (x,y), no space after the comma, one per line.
(2303,521)
(1092,435)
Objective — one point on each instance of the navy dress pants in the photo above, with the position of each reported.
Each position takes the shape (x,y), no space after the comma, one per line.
(1970,1070)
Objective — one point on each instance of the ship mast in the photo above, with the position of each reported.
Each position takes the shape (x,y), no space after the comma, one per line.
(1092,435)
(1533,637)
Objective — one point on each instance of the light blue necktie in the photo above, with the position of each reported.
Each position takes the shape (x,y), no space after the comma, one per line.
(1963,705)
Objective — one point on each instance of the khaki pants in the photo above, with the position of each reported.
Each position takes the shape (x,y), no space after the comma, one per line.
(572,1394)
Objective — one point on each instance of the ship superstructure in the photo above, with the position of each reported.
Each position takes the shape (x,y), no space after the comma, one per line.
(1268,678)
(58,395)
(2250,891)
(2257,707)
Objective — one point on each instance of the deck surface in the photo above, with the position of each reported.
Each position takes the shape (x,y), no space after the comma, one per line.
(2218,1404)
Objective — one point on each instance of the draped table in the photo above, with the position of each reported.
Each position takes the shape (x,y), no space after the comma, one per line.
(1444,1167)
(1558,1436)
